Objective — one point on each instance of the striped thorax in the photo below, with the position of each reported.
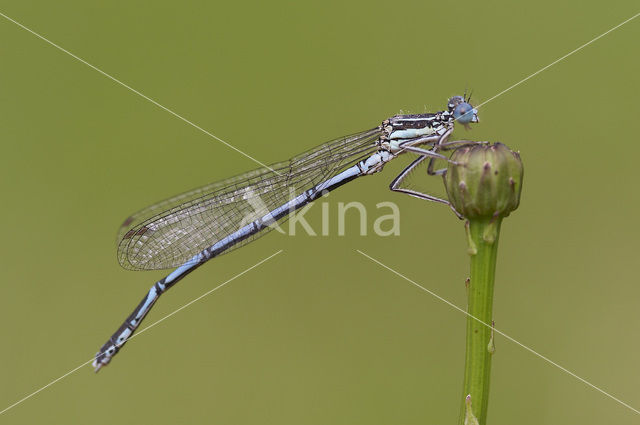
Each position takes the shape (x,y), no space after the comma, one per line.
(403,131)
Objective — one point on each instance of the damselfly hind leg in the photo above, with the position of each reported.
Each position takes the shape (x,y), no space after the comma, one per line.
(395,184)
(432,156)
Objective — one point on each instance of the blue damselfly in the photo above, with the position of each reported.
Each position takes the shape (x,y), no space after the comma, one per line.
(189,229)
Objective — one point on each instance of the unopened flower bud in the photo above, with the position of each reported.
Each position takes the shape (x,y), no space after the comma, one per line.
(484,181)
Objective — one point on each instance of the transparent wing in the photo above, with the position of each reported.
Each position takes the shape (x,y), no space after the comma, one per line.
(167,234)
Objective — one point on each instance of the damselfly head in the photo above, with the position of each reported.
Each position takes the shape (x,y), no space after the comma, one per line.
(462,111)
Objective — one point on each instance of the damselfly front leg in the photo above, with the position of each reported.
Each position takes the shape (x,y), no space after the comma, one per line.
(455,144)
(447,146)
(413,147)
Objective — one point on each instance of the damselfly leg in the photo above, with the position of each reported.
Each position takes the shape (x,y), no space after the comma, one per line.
(395,184)
(448,146)
(431,155)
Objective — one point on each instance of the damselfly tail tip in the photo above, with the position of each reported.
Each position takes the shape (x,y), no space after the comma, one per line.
(96,366)
(100,360)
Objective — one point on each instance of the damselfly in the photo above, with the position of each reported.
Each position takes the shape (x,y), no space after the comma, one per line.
(188,230)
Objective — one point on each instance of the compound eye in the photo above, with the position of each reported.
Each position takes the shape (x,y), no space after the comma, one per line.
(464,113)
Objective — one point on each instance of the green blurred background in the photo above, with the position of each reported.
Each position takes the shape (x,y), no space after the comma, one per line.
(318,334)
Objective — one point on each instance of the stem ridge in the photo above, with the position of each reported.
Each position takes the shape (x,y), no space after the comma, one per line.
(483,234)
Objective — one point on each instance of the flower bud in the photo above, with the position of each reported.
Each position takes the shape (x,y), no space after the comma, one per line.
(484,181)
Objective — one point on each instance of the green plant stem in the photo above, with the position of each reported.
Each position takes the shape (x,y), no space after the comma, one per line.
(483,248)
